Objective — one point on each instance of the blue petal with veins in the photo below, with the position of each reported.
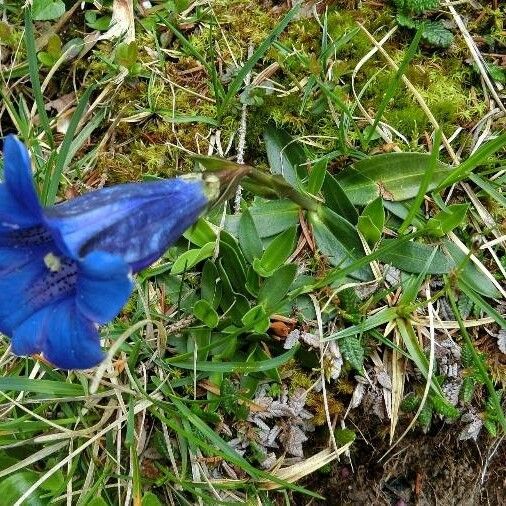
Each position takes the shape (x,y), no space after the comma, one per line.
(67,268)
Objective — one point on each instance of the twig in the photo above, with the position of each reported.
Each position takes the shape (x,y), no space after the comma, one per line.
(241,144)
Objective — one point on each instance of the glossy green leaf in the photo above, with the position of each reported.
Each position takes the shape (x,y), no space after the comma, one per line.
(201,233)
(410,340)
(238,367)
(46,387)
(249,239)
(210,284)
(284,154)
(206,313)
(14,486)
(276,287)
(46,10)
(479,157)
(233,262)
(317,176)
(337,199)
(413,256)
(392,176)
(256,319)
(276,253)
(199,340)
(337,239)
(235,305)
(372,221)
(191,258)
(270,216)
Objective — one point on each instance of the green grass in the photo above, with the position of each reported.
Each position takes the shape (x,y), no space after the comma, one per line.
(199,380)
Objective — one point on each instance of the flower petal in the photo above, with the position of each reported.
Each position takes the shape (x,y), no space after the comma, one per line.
(135,221)
(20,269)
(103,286)
(66,338)
(18,196)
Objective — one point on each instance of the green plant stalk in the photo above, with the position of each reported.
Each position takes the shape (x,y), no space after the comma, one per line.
(478,363)
(283,189)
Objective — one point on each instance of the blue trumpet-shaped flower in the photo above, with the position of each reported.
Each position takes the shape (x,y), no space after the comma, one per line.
(66,268)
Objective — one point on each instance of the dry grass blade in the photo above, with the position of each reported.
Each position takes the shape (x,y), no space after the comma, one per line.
(398,377)
(122,21)
(475,53)
(296,472)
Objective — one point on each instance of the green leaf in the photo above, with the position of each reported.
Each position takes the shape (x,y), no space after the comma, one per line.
(412,257)
(97,22)
(337,199)
(372,221)
(380,318)
(256,319)
(199,341)
(338,240)
(46,387)
(235,305)
(392,176)
(201,233)
(191,258)
(271,217)
(417,355)
(317,176)
(470,274)
(276,287)
(353,351)
(237,367)
(210,284)
(414,205)
(14,486)
(276,253)
(46,10)
(447,219)
(436,34)
(249,239)
(206,313)
(284,154)
(233,262)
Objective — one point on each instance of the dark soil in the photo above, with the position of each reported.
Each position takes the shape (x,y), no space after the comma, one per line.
(424,469)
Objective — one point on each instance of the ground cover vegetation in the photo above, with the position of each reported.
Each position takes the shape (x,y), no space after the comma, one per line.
(335,325)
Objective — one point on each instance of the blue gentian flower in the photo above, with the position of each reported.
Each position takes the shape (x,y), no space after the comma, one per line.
(67,268)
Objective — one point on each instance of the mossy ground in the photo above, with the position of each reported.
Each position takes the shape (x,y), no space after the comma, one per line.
(174,83)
